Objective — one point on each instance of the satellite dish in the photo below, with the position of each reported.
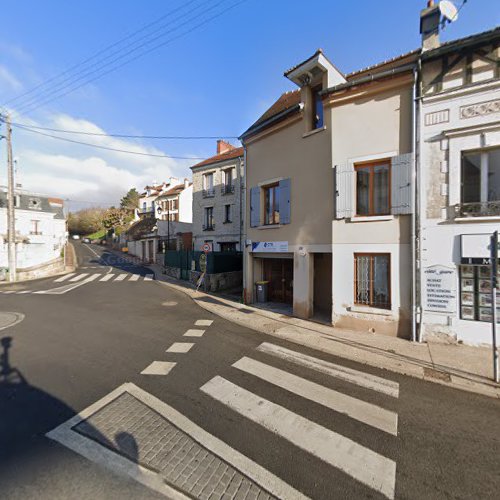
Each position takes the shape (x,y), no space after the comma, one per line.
(448,10)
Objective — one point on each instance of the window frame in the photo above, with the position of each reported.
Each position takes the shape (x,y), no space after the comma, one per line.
(265,190)
(317,121)
(480,152)
(389,289)
(206,225)
(227,213)
(371,164)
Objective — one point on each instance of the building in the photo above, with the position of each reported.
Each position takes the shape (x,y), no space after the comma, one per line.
(459,180)
(289,186)
(175,204)
(148,196)
(40,233)
(372,144)
(217,200)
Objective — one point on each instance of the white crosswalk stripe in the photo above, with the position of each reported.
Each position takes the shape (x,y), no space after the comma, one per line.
(367,413)
(149,277)
(121,277)
(79,277)
(107,277)
(92,277)
(363,464)
(134,277)
(341,372)
(64,278)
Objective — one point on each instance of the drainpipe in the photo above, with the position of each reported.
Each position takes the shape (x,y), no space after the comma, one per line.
(243,206)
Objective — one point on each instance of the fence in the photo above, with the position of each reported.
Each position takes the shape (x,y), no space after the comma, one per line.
(217,262)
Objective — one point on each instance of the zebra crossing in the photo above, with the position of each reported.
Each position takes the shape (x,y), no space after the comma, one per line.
(74,277)
(361,463)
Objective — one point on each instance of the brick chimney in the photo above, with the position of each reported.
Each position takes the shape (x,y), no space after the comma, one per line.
(223,147)
(429,26)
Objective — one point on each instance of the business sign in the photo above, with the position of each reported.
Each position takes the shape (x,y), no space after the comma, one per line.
(475,249)
(440,289)
(270,246)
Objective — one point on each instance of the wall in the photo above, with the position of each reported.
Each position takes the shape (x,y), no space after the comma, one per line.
(186,205)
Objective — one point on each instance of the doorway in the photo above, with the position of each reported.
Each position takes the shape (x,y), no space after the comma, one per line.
(322,301)
(279,273)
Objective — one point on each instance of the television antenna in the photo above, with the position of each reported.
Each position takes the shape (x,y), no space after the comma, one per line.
(448,10)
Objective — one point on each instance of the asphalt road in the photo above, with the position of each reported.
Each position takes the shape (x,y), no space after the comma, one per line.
(82,339)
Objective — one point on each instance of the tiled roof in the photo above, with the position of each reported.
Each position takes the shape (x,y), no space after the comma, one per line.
(228,155)
(141,228)
(397,60)
(317,53)
(175,190)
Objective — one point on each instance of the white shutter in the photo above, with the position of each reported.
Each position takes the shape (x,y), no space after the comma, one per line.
(401,185)
(344,191)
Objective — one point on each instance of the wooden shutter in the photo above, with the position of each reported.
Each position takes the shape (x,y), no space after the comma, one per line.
(285,188)
(344,191)
(254,206)
(401,185)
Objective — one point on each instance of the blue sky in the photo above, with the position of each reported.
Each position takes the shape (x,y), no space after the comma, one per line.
(216,80)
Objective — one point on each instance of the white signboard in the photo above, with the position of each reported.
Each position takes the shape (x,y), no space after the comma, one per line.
(440,289)
(270,246)
(476,246)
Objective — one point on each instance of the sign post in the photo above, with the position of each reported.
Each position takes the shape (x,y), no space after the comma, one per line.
(494,285)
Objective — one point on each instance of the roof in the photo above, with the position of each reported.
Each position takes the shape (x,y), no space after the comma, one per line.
(228,155)
(388,63)
(293,68)
(36,203)
(175,190)
(141,228)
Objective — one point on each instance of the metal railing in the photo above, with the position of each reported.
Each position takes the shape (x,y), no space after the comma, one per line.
(208,227)
(480,209)
(208,193)
(227,189)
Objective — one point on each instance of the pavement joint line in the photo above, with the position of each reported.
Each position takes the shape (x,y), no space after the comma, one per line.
(193,332)
(361,463)
(158,368)
(180,347)
(90,449)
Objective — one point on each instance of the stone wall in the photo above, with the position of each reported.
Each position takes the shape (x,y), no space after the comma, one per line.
(220,281)
(50,268)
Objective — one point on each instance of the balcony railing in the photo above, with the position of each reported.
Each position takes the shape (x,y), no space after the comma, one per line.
(208,193)
(227,189)
(480,209)
(208,227)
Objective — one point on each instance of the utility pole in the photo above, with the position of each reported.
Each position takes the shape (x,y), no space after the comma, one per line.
(11,218)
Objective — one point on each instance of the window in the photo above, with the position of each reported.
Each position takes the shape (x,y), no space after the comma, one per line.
(317,108)
(481,182)
(272,204)
(227,247)
(208,185)
(35,227)
(227,214)
(475,293)
(372,188)
(144,206)
(228,187)
(372,280)
(209,219)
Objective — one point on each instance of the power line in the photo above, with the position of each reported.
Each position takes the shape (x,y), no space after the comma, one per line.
(127,136)
(131,59)
(109,148)
(98,53)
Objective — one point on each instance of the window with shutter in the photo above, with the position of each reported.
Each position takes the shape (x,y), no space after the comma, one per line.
(254,207)
(401,184)
(344,191)
(284,204)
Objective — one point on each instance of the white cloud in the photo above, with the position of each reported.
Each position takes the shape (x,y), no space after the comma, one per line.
(7,78)
(78,172)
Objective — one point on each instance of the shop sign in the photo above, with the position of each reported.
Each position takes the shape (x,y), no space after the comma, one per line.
(440,289)
(270,246)
(475,249)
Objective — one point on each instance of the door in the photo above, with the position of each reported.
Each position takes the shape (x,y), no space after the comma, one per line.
(279,273)
(151,251)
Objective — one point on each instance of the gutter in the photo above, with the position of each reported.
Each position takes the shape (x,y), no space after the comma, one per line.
(369,78)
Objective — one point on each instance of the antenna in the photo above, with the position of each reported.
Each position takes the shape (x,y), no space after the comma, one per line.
(448,10)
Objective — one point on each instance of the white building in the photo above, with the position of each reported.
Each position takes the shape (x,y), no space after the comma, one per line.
(40,230)
(459,179)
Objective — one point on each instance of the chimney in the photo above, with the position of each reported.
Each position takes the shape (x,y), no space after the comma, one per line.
(173,181)
(429,26)
(223,147)
(186,183)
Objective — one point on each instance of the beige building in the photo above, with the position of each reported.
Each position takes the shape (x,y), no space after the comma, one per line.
(289,183)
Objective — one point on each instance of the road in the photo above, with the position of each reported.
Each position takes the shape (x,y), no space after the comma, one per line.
(116,386)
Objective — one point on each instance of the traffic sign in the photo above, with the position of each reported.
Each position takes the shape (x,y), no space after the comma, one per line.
(206,247)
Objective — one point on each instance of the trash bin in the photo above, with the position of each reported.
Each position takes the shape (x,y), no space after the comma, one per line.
(261,288)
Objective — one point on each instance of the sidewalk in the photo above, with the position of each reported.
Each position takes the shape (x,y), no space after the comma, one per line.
(455,365)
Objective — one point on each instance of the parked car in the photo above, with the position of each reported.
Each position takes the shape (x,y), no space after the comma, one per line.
(86,240)
(76,236)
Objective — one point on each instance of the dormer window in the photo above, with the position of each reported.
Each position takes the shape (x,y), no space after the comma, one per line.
(317,108)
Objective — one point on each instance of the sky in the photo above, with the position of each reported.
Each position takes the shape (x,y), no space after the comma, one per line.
(220,66)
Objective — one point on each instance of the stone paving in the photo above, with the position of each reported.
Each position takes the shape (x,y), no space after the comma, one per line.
(133,429)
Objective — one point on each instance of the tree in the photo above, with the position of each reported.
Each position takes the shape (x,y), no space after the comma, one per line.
(116,217)
(130,201)
(86,221)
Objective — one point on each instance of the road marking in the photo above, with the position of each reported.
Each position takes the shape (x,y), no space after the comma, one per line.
(78,277)
(363,464)
(338,371)
(92,277)
(134,277)
(106,277)
(204,322)
(158,368)
(194,333)
(23,292)
(367,413)
(149,277)
(9,291)
(64,278)
(121,277)
(180,347)
(105,457)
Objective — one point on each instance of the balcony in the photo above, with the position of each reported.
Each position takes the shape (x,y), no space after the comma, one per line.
(479,209)
(208,227)
(208,193)
(227,189)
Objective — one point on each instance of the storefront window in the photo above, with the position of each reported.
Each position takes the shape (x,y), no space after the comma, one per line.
(475,293)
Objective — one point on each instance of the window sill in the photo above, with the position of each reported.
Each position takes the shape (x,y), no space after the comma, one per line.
(370,310)
(492,218)
(268,226)
(227,222)
(315,131)
(371,218)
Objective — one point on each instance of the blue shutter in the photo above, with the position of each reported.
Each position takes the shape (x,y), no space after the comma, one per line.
(401,185)
(285,187)
(254,206)
(344,191)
